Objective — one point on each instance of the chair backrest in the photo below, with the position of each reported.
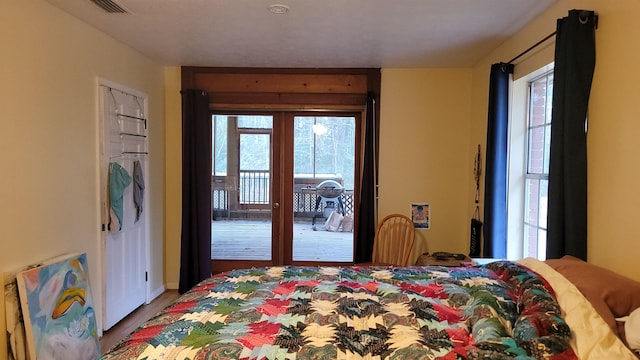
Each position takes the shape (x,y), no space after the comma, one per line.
(393,240)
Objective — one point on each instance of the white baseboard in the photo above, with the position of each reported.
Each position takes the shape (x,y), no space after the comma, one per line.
(155,293)
(172,286)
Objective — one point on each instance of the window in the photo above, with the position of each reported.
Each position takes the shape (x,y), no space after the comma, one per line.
(537,166)
(219,145)
(220,132)
(530,144)
(325,148)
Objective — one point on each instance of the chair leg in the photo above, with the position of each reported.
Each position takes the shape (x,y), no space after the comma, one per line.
(315,213)
(341,206)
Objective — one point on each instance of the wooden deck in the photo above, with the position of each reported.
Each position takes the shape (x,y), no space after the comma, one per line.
(251,240)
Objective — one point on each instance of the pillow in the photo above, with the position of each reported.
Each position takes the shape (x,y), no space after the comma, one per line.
(620,294)
(632,330)
(603,310)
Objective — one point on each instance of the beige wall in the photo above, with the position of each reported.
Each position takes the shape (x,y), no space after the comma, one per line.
(613,148)
(425,154)
(173,195)
(49,67)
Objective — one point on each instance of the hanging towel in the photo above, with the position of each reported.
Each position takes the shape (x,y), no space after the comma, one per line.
(119,179)
(138,188)
(114,224)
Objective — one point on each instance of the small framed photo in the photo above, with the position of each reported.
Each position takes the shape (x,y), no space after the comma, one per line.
(420,215)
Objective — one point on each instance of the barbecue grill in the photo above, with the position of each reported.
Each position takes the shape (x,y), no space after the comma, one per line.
(328,192)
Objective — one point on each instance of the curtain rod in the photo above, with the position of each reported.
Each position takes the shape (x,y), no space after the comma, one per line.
(584,13)
(532,47)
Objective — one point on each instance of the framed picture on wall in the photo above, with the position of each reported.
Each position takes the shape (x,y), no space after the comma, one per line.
(421,215)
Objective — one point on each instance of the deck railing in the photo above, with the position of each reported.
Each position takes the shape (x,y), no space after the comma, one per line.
(254,187)
(253,191)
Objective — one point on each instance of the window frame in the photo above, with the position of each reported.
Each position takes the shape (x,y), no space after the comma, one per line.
(518,161)
(539,226)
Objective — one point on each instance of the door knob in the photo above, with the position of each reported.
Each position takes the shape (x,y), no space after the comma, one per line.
(276,205)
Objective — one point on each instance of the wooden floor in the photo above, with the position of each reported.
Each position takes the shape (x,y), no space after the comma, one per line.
(251,240)
(126,326)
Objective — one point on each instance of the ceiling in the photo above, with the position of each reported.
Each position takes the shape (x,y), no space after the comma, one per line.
(313,33)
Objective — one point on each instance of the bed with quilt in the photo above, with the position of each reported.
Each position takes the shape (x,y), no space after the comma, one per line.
(501,310)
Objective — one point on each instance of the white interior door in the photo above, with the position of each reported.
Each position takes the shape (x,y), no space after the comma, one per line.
(124,143)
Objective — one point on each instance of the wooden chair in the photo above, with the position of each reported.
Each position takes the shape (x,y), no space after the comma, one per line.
(393,241)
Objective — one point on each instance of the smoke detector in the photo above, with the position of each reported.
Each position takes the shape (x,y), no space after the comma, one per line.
(278,9)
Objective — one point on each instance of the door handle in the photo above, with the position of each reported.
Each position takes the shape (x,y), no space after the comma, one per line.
(276,205)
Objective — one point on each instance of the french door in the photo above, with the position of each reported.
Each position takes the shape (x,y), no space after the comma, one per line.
(267,206)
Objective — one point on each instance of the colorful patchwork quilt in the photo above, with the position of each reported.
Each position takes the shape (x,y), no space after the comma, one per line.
(498,311)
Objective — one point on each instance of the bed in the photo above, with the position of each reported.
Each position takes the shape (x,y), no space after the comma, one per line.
(501,310)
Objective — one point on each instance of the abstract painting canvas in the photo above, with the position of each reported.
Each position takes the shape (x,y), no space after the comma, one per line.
(60,320)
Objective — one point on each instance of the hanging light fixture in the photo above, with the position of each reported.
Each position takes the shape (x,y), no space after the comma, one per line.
(319,129)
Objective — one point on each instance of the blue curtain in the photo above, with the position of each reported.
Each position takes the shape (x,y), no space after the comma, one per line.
(573,74)
(366,212)
(195,250)
(495,190)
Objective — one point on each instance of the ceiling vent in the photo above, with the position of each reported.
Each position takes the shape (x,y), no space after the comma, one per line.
(110,6)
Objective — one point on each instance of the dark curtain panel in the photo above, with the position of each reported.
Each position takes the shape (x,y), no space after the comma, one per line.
(495,186)
(573,72)
(367,209)
(195,251)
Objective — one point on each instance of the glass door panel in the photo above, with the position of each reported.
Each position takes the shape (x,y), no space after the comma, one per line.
(241,230)
(323,188)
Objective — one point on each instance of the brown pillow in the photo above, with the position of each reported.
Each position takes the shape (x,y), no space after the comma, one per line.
(603,310)
(621,294)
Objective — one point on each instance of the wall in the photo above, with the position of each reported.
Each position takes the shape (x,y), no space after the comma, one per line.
(49,138)
(425,155)
(173,195)
(613,192)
